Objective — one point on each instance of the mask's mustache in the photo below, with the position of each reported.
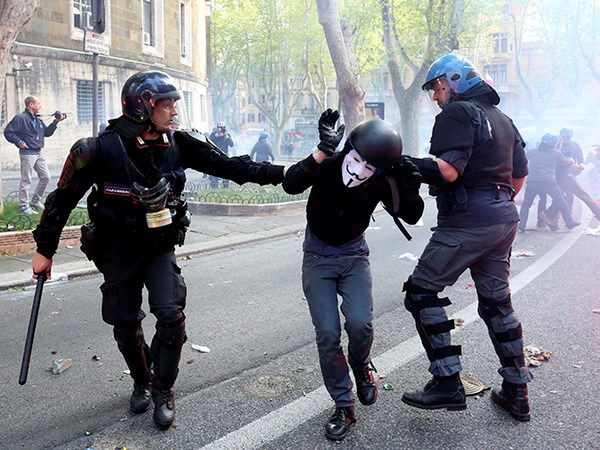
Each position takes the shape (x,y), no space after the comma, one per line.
(358,178)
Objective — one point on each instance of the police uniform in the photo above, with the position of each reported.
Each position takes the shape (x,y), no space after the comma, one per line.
(129,250)
(476,226)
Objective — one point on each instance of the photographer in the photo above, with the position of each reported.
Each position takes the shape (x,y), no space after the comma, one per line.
(221,139)
(27,131)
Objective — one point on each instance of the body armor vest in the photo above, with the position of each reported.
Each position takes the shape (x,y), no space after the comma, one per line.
(111,206)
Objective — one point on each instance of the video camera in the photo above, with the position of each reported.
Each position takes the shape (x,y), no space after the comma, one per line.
(57,114)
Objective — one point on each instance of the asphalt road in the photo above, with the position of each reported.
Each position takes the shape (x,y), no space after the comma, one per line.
(260,385)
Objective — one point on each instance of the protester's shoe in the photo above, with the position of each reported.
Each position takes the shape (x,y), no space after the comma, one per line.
(339,423)
(513,398)
(164,408)
(573,225)
(27,210)
(140,398)
(366,389)
(37,206)
(439,393)
(542,220)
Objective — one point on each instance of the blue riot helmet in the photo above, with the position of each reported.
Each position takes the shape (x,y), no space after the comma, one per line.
(263,135)
(141,92)
(458,70)
(550,140)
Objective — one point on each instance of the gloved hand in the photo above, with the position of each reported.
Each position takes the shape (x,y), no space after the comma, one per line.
(329,137)
(407,176)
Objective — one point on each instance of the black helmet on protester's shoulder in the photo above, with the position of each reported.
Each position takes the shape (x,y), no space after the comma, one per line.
(377,142)
(141,92)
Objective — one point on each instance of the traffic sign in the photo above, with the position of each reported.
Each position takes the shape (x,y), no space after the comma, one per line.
(95,42)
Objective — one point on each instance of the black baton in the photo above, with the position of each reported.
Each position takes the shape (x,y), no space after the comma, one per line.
(35,309)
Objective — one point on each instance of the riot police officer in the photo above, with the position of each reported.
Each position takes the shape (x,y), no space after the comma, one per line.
(346,188)
(137,169)
(479,165)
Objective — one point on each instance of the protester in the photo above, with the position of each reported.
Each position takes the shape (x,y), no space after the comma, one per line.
(345,189)
(139,214)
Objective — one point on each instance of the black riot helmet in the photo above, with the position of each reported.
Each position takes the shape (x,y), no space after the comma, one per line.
(141,92)
(377,142)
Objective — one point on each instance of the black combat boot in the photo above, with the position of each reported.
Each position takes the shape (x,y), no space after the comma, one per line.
(339,423)
(140,398)
(439,393)
(513,398)
(366,389)
(164,407)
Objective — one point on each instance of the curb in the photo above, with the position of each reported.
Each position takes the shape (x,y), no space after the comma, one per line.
(85,268)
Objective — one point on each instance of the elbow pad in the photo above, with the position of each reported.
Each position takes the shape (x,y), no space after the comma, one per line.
(429,170)
(82,152)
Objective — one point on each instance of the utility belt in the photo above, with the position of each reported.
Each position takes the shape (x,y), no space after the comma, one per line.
(455,197)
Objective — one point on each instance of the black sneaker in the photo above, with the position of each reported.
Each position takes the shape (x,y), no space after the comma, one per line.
(164,408)
(514,398)
(439,393)
(366,389)
(140,398)
(339,423)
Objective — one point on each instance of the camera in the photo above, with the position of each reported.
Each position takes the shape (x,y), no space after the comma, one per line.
(58,115)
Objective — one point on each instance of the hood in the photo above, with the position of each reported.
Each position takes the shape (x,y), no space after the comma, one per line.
(481,89)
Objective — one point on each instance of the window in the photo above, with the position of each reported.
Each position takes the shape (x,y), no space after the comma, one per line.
(187,98)
(203,108)
(500,42)
(497,72)
(251,117)
(82,14)
(85,94)
(261,117)
(148,23)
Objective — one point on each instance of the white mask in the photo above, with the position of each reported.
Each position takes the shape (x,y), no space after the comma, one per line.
(356,170)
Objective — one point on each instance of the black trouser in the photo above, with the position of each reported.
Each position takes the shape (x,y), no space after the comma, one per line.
(126,272)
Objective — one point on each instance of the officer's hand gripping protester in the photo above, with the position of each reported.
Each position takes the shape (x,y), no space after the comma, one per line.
(479,165)
(346,188)
(138,215)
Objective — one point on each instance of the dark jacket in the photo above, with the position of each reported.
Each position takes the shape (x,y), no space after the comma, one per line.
(28,128)
(263,151)
(544,163)
(337,214)
(113,168)
(486,149)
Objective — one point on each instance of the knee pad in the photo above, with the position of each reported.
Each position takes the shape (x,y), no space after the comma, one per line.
(171,334)
(418,298)
(129,336)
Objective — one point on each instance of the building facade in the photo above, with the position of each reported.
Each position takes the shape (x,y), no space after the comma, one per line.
(49,61)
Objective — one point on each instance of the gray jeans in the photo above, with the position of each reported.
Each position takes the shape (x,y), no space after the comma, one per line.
(29,163)
(323,279)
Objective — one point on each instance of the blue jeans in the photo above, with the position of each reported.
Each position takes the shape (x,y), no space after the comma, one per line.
(323,278)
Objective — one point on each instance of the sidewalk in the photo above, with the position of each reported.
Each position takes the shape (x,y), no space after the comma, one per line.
(206,233)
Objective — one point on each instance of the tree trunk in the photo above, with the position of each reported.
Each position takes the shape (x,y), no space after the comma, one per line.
(350,91)
(14,14)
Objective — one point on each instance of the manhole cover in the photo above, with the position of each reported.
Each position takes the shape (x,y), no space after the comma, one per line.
(269,386)
(472,385)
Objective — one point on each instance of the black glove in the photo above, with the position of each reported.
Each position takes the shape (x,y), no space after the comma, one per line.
(329,137)
(408,177)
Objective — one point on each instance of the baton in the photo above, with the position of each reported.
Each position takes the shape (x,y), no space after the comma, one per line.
(35,309)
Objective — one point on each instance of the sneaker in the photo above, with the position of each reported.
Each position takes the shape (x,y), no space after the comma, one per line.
(140,398)
(439,393)
(28,211)
(366,389)
(339,423)
(573,225)
(164,408)
(514,398)
(37,206)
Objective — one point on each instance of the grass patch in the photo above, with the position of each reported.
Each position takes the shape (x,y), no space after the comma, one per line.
(12,219)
